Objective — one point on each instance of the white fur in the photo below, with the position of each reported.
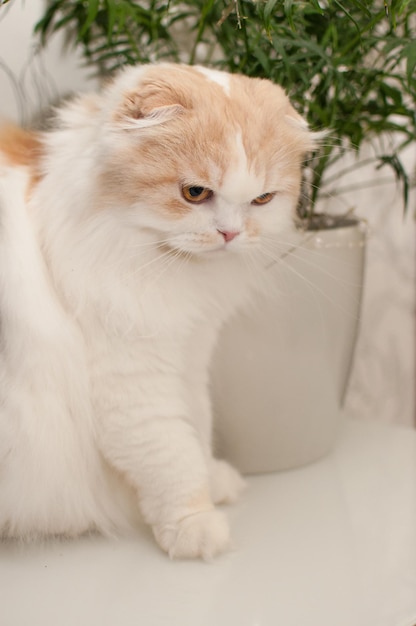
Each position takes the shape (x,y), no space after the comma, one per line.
(53,478)
(221,78)
(106,339)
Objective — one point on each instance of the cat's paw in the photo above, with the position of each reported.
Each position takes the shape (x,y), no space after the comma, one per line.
(226,483)
(200,535)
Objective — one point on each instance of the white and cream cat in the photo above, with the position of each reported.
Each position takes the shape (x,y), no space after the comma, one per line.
(124,235)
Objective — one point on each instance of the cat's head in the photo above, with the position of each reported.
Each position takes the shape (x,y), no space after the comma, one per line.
(204,159)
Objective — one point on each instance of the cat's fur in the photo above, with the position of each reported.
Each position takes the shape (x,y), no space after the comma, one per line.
(113,288)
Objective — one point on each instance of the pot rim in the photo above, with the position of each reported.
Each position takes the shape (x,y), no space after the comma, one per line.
(325,221)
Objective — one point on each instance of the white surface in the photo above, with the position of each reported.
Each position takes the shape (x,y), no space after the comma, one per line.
(332,544)
(382,384)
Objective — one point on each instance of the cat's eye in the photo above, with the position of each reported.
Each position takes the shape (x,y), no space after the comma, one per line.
(195,194)
(263,199)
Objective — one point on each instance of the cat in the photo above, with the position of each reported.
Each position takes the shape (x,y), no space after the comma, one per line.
(124,235)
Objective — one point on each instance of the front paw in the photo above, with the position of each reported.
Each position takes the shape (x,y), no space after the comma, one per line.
(226,483)
(199,535)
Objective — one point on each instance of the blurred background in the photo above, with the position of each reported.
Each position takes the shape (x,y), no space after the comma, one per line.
(382,384)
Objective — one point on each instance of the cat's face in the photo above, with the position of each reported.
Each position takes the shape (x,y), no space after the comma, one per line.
(205,160)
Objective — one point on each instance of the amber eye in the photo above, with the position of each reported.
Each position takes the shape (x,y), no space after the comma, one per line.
(263,199)
(193,193)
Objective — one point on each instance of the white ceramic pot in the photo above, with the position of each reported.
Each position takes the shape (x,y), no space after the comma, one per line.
(280,370)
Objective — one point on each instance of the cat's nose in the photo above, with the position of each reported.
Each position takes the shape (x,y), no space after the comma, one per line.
(229,235)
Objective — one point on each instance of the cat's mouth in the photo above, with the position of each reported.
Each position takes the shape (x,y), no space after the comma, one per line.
(206,243)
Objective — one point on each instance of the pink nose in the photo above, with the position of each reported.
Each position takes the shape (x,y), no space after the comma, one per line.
(228,235)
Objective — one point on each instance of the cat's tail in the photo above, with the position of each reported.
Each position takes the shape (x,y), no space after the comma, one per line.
(28,306)
(50,470)
(29,309)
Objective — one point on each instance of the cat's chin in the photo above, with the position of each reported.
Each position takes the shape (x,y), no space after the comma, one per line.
(219,251)
(207,250)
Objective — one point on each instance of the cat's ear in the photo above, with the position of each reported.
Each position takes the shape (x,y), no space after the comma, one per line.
(138,111)
(312,139)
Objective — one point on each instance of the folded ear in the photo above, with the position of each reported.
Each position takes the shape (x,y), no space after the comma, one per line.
(138,111)
(150,102)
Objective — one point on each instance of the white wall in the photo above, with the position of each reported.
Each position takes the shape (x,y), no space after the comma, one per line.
(383,380)
(31,78)
(384,375)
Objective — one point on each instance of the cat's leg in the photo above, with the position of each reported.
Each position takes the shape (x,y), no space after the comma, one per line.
(146,432)
(160,455)
(226,484)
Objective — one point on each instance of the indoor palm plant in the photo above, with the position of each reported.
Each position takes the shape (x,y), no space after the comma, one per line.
(347,67)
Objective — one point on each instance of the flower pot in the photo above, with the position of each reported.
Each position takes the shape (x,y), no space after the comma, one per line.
(280,369)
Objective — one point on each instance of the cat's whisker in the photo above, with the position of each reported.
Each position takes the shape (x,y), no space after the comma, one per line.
(282,260)
(156,243)
(315,289)
(287,246)
(292,249)
(279,272)
(136,251)
(168,261)
(249,260)
(185,258)
(160,258)
(321,270)
(176,264)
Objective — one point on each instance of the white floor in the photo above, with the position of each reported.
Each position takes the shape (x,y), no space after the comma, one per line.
(333,544)
(382,381)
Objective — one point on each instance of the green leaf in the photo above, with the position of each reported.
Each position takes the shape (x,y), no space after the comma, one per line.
(348,14)
(288,9)
(409,53)
(93,6)
(111,19)
(345,63)
(43,25)
(268,9)
(263,59)
(393,161)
